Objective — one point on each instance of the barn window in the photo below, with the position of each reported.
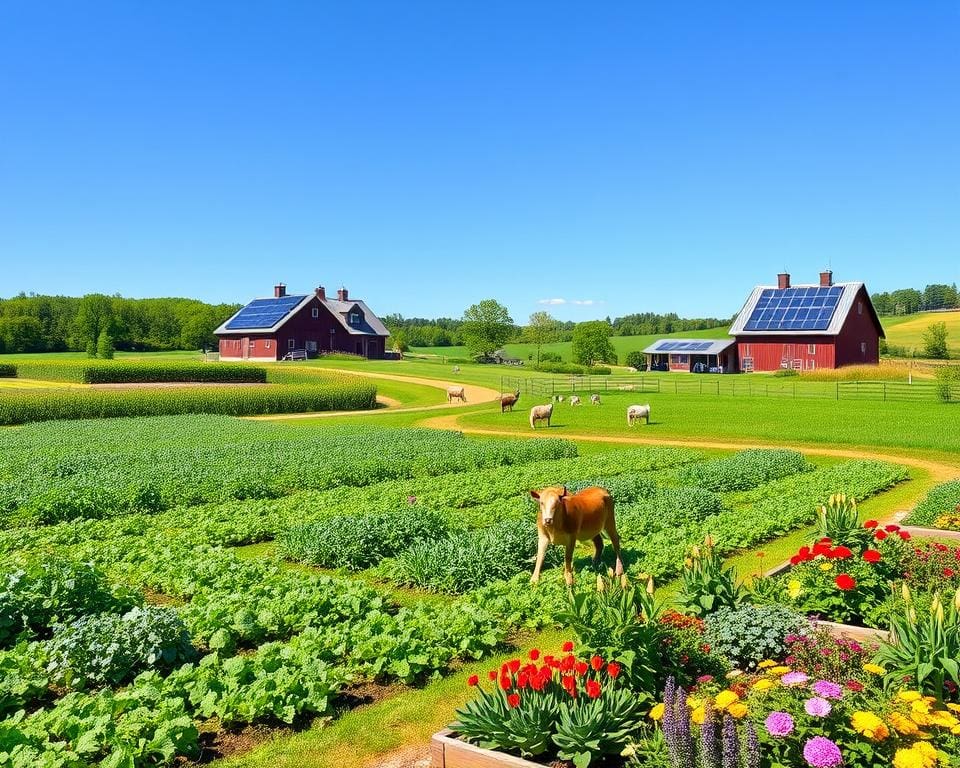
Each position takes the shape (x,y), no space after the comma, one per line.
(859,307)
(291,343)
(863,347)
(315,312)
(267,344)
(811,349)
(811,365)
(311,346)
(354,318)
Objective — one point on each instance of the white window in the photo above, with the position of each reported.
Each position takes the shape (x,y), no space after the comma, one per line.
(315,312)
(354,318)
(811,365)
(811,349)
(267,344)
(863,347)
(291,343)
(746,364)
(311,346)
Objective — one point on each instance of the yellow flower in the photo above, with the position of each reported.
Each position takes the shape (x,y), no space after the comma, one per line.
(738,709)
(909,696)
(953,707)
(698,715)
(875,669)
(763,684)
(657,712)
(869,725)
(693,703)
(779,670)
(903,725)
(826,566)
(725,699)
(943,719)
(910,758)
(794,589)
(922,706)
(766,663)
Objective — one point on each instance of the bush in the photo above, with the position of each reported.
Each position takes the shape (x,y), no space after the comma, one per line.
(108,649)
(550,357)
(573,368)
(45,591)
(744,470)
(636,359)
(137,371)
(357,541)
(8,371)
(948,382)
(942,500)
(785,373)
(748,634)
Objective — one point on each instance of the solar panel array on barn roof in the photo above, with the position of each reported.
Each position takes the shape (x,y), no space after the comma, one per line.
(808,308)
(263,313)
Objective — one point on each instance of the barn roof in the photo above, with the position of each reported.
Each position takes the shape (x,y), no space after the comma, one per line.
(799,309)
(688,346)
(268,314)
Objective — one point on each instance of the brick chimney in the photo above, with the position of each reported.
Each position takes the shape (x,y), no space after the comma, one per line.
(279,291)
(826,279)
(321,293)
(783,280)
(342,295)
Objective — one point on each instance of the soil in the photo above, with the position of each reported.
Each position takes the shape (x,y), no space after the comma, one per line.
(217,744)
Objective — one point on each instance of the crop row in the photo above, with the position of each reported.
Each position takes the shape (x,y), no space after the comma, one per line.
(111,478)
(138,371)
(744,470)
(943,499)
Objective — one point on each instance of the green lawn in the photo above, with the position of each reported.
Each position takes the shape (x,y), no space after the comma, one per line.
(907,330)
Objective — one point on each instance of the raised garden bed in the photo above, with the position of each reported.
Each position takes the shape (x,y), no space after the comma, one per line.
(447,751)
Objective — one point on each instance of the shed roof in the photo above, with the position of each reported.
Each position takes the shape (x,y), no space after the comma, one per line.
(688,346)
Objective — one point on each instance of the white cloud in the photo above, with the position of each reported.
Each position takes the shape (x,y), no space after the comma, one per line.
(552,301)
(585,302)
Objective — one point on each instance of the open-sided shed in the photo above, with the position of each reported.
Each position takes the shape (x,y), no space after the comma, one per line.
(692,355)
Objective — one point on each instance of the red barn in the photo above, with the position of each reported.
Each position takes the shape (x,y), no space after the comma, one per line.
(806,327)
(302,326)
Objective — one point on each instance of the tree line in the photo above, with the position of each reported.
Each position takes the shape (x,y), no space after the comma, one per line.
(31,323)
(907,301)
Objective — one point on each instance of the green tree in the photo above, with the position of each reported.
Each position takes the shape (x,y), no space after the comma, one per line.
(105,345)
(935,341)
(591,343)
(94,315)
(399,341)
(486,327)
(541,329)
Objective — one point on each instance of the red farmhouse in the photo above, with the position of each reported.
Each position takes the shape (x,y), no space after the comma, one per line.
(806,327)
(301,326)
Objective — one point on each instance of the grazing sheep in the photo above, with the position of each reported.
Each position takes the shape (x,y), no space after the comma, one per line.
(637,412)
(540,413)
(456,369)
(594,399)
(456,393)
(575,400)
(558,398)
(508,401)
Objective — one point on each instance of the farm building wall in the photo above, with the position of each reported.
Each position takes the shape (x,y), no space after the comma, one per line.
(769,353)
(259,347)
(859,339)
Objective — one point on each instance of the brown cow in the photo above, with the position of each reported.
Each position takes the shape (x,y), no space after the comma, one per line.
(565,519)
(508,401)
(456,393)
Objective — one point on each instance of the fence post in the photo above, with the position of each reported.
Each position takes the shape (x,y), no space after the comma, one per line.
(884,391)
(794,390)
(838,389)
(718,387)
(676,387)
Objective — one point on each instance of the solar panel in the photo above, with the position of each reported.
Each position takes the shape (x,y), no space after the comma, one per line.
(263,313)
(794,309)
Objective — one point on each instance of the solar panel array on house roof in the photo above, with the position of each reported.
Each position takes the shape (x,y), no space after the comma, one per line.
(807,308)
(683,346)
(263,313)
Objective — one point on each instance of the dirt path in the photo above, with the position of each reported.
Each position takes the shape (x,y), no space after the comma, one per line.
(475,394)
(939,471)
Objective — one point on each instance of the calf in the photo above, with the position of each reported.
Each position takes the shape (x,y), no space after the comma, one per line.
(456,393)
(637,412)
(508,401)
(575,400)
(594,399)
(564,518)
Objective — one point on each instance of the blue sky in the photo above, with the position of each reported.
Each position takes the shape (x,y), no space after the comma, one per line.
(628,156)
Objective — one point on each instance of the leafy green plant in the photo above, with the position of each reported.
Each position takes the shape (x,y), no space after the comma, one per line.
(748,634)
(707,584)
(924,647)
(839,521)
(744,470)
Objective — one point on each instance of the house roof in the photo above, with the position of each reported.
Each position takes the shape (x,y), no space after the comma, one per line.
(268,315)
(800,309)
(688,346)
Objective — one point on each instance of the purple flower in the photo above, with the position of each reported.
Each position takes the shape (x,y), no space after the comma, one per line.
(817,707)
(753,746)
(779,724)
(794,678)
(822,753)
(827,689)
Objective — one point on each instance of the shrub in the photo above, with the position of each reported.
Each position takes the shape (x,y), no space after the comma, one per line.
(357,541)
(941,500)
(141,371)
(550,357)
(784,373)
(636,359)
(744,470)
(749,634)
(45,591)
(573,368)
(819,653)
(948,382)
(8,370)
(707,584)
(110,649)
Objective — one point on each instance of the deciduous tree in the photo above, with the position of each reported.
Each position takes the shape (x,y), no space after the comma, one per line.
(486,327)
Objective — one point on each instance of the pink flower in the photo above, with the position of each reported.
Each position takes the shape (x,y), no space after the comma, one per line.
(827,689)
(779,724)
(817,707)
(820,752)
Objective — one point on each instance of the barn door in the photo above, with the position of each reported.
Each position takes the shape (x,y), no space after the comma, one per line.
(245,344)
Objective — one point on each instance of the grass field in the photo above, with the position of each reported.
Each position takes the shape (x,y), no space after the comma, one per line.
(907,330)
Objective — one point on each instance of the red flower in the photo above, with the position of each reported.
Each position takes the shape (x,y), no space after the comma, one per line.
(550,661)
(567,646)
(795,560)
(905,535)
(891,528)
(534,654)
(513,700)
(581,668)
(840,553)
(705,647)
(567,664)
(492,675)
(761,554)
(569,683)
(854,685)
(948,572)
(826,540)
(845,581)
(821,548)
(879,535)
(872,556)
(597,663)
(940,547)
(522,680)
(613,669)
(871,524)
(505,683)
(514,665)
(473,680)
(593,689)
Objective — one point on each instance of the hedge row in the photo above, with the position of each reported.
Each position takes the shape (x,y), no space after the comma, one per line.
(941,500)
(96,404)
(8,370)
(139,372)
(573,368)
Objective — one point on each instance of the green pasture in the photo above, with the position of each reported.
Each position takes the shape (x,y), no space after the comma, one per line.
(907,330)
